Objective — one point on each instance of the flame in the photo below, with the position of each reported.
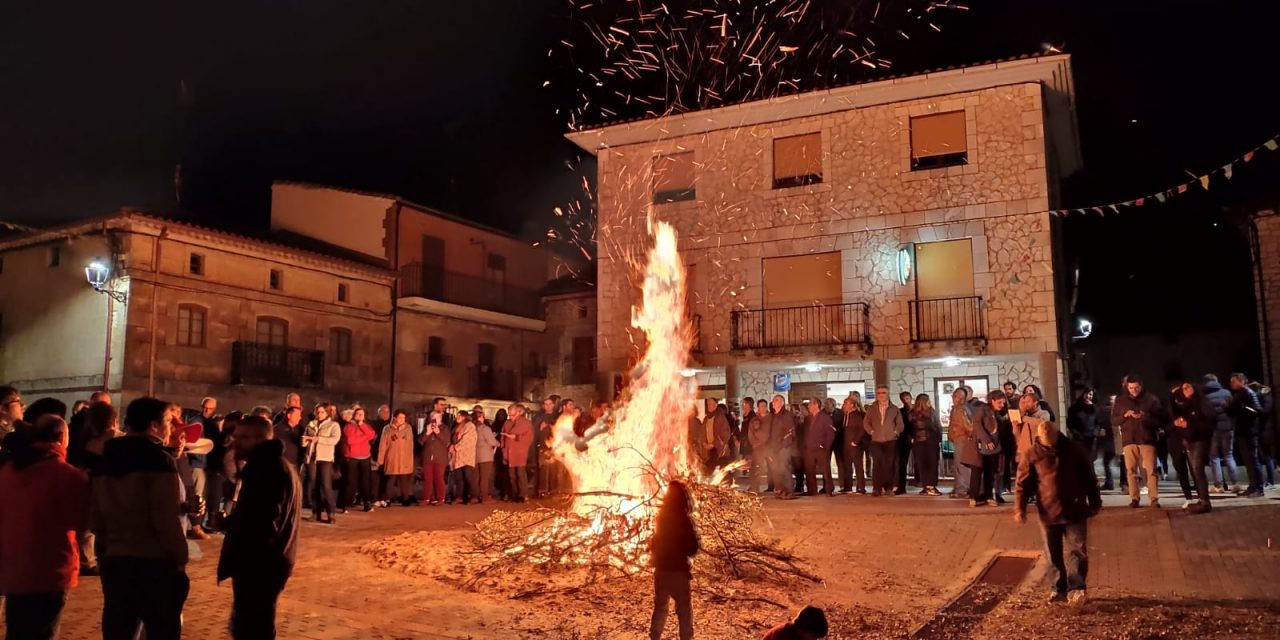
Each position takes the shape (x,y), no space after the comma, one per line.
(617,467)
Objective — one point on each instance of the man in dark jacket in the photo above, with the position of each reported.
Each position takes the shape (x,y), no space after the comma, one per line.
(1222,447)
(135,511)
(905,443)
(782,446)
(674,541)
(1061,475)
(1244,411)
(1137,414)
(262,532)
(855,445)
(819,434)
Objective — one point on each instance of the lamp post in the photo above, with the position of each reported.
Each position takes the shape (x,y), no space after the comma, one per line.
(98,275)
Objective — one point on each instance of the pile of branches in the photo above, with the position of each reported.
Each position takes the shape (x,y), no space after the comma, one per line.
(554,540)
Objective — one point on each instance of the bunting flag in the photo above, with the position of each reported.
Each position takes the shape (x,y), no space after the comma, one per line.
(1226,171)
(12,226)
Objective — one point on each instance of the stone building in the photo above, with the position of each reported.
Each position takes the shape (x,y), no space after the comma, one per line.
(571,339)
(194,312)
(1265,232)
(893,232)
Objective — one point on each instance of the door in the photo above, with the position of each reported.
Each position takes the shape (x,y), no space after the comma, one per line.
(944,387)
(432,268)
(485,372)
(945,307)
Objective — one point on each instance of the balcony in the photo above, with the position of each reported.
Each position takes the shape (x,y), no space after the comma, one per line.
(948,319)
(419,281)
(264,364)
(496,384)
(811,326)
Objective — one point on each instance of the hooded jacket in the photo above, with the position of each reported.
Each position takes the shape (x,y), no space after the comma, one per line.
(1062,477)
(1220,399)
(262,531)
(136,502)
(43,503)
(1198,413)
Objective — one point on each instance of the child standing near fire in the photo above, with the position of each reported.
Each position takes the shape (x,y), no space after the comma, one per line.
(674,541)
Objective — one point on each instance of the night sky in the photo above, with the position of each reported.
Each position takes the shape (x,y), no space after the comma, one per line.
(444,103)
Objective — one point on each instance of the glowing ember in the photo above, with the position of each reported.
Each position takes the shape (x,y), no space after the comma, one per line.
(617,466)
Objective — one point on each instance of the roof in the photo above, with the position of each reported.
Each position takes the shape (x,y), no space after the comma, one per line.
(123,219)
(1052,71)
(452,217)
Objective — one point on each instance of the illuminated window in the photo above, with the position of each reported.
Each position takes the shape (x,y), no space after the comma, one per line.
(939,140)
(273,332)
(797,160)
(673,178)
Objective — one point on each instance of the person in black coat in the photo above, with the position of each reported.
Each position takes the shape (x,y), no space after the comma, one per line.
(262,531)
(674,541)
(1194,421)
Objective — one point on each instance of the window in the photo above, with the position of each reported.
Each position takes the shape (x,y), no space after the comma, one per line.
(673,178)
(273,332)
(340,345)
(582,363)
(275,280)
(191,323)
(944,269)
(434,357)
(496,269)
(939,140)
(802,281)
(797,160)
(195,264)
(342,292)
(55,256)
(582,311)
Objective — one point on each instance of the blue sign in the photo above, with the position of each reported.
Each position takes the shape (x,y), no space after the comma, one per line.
(782,381)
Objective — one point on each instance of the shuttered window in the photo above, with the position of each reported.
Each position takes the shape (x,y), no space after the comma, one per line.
(939,140)
(797,160)
(673,178)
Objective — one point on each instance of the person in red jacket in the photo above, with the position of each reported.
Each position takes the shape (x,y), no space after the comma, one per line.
(44,502)
(358,435)
(810,624)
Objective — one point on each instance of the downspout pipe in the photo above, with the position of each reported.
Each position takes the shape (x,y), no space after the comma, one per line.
(395,297)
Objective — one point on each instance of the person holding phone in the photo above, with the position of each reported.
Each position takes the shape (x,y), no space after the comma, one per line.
(1137,414)
(435,439)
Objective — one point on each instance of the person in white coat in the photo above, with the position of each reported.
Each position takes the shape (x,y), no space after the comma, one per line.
(319,441)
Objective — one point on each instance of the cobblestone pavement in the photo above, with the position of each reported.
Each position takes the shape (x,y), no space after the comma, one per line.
(907,554)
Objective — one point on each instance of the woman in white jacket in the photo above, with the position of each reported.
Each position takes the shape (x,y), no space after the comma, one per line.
(319,440)
(462,457)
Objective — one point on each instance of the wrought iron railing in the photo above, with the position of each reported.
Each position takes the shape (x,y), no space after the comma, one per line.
(487,382)
(419,281)
(814,325)
(256,363)
(962,318)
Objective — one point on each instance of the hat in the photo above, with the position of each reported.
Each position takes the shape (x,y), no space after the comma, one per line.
(813,620)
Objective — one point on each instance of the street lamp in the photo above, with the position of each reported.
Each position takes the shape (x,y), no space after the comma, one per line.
(1084,329)
(98,273)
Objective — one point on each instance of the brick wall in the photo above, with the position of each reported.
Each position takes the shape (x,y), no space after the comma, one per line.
(1269,289)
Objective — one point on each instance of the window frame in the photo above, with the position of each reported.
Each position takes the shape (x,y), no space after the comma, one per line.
(942,160)
(340,346)
(195,264)
(54,258)
(344,293)
(670,195)
(787,182)
(275,280)
(271,321)
(183,338)
(435,357)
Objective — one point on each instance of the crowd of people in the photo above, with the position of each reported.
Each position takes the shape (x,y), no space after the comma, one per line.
(125,496)
(1198,432)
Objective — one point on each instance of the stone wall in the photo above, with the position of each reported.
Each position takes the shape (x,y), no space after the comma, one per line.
(868,205)
(918,378)
(568,316)
(1268,289)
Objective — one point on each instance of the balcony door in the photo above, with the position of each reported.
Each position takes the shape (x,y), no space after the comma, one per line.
(432,267)
(946,306)
(486,375)
(802,300)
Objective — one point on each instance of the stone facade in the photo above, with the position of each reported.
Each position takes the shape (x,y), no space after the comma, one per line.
(869,203)
(569,316)
(1268,289)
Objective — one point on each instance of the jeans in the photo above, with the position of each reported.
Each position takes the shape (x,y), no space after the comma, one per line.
(519,482)
(1067,548)
(671,585)
(548,476)
(253,608)
(433,482)
(213,495)
(1252,461)
(759,470)
(308,485)
(322,501)
(484,480)
(1144,455)
(465,487)
(1221,451)
(903,453)
(962,472)
(854,462)
(884,465)
(142,590)
(982,478)
(817,461)
(926,456)
(1198,459)
(1181,464)
(359,476)
(399,487)
(33,616)
(780,468)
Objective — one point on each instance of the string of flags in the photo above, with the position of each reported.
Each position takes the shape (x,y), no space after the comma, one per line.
(1225,171)
(10,226)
